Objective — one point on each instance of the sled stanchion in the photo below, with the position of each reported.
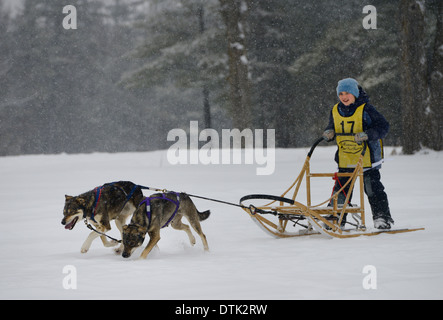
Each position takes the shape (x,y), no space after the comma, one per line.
(362,196)
(322,218)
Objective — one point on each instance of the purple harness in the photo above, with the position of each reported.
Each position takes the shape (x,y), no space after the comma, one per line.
(147,201)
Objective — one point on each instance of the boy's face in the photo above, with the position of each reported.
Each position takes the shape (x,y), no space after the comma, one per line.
(346,98)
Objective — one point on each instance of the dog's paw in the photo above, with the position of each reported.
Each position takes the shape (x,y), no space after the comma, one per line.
(118,251)
(192,240)
(84,250)
(111,243)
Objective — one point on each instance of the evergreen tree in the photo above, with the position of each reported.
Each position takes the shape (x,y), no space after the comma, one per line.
(274,43)
(181,48)
(344,48)
(435,111)
(421,65)
(234,13)
(413,75)
(271,64)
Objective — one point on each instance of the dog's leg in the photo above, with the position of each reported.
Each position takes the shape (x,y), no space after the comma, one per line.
(103,226)
(87,244)
(119,222)
(108,243)
(177,224)
(197,227)
(154,238)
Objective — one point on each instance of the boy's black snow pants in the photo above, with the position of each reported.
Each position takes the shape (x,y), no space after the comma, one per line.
(374,189)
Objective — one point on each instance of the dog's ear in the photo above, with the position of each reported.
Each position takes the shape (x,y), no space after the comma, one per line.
(81,201)
(125,227)
(68,197)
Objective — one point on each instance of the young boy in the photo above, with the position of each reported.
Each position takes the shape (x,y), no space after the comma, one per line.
(354,115)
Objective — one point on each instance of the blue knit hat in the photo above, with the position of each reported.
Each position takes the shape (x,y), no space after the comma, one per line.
(348,85)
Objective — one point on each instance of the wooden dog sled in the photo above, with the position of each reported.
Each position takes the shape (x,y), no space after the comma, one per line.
(285,217)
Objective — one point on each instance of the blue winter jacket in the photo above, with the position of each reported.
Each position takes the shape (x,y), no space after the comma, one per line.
(374,124)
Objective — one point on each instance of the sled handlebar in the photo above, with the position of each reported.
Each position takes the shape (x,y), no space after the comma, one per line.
(317,142)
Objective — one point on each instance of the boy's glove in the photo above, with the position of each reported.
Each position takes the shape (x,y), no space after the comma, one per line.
(360,137)
(328,135)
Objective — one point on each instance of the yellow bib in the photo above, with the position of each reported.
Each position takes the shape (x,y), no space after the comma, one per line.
(348,150)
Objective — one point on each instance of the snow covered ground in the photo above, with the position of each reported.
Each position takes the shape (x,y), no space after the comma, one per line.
(243,262)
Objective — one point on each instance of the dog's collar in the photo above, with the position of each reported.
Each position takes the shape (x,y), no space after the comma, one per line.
(147,201)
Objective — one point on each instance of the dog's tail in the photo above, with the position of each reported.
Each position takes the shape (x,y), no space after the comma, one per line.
(203,215)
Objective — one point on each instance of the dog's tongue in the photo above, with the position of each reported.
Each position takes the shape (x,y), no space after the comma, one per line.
(71,224)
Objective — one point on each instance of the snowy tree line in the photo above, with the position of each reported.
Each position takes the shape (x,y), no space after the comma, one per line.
(133,70)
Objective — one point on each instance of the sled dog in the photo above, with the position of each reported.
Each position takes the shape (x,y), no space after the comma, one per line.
(156,212)
(112,201)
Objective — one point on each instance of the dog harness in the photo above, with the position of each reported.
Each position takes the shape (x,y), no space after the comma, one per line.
(147,201)
(98,193)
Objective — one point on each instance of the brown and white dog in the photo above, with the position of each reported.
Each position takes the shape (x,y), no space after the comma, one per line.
(112,201)
(158,211)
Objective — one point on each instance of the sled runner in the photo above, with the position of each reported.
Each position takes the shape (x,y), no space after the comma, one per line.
(285,217)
